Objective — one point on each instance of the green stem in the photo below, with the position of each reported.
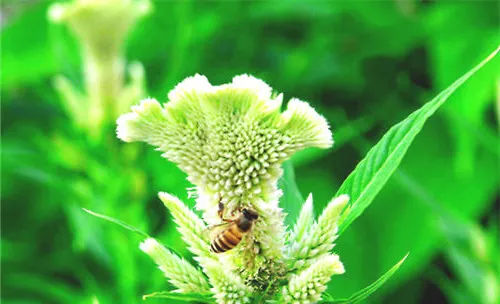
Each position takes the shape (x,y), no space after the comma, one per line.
(104,77)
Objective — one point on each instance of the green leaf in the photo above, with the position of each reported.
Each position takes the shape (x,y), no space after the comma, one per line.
(364,293)
(371,174)
(292,199)
(117,222)
(198,297)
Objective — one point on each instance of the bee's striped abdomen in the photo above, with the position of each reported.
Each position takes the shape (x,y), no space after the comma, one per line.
(226,240)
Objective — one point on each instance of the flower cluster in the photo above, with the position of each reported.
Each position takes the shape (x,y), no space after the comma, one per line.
(231,141)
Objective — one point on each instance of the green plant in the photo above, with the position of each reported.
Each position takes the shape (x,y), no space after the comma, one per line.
(362,65)
(231,140)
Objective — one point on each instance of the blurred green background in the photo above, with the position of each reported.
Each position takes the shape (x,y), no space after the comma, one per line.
(364,65)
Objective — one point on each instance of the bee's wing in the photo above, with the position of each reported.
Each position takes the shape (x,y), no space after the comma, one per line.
(212,231)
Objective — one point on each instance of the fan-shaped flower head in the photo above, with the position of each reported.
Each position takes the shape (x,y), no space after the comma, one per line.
(231,140)
(100,24)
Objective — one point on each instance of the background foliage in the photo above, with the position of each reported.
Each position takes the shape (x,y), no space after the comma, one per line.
(363,65)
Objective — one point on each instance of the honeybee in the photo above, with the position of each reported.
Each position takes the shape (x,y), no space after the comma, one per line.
(234,230)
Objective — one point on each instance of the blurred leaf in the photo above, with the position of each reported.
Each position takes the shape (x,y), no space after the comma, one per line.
(318,182)
(471,274)
(47,287)
(374,170)
(454,291)
(27,54)
(453,31)
(367,291)
(468,256)
(342,37)
(204,298)
(117,222)
(86,236)
(292,200)
(343,134)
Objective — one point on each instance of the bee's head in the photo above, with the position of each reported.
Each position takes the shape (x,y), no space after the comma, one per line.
(250,214)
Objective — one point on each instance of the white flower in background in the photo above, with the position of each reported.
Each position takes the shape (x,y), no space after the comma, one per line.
(101,24)
(231,140)
(101,27)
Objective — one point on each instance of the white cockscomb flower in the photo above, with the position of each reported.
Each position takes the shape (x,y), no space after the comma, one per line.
(231,140)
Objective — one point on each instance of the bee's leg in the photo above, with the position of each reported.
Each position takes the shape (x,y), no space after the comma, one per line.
(220,212)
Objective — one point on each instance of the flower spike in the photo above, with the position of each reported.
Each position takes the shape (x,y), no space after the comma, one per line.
(180,273)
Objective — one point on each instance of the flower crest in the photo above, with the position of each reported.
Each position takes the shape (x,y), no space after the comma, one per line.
(230,139)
